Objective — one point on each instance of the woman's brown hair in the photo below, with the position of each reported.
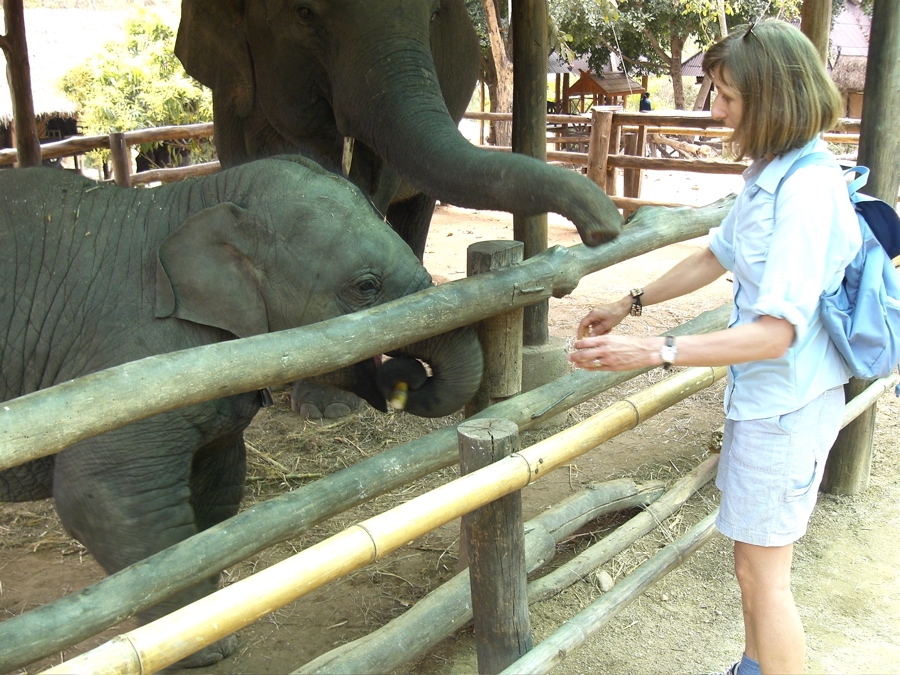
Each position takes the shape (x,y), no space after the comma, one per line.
(787,97)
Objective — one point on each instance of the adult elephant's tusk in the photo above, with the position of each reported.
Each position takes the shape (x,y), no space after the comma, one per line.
(347,156)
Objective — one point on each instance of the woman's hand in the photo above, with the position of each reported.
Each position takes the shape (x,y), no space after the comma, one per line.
(616,352)
(603,318)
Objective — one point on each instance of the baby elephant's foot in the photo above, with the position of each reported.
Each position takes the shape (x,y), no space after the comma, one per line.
(317,401)
(206,656)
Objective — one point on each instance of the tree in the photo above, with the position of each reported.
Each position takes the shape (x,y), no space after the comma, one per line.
(18,70)
(137,83)
(650,35)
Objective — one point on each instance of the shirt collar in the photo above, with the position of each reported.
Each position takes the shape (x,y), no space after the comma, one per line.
(768,173)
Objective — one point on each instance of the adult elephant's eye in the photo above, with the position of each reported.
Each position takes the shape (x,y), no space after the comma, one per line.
(304,13)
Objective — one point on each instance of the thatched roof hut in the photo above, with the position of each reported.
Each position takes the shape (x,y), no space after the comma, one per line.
(58,40)
(608,88)
(849,73)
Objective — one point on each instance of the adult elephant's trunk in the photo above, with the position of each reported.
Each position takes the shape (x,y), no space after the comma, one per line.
(400,113)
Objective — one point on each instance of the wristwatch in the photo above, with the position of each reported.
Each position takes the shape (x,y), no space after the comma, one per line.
(668,352)
(636,306)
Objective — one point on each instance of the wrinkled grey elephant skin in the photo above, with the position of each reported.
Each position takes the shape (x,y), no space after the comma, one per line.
(394,75)
(93,276)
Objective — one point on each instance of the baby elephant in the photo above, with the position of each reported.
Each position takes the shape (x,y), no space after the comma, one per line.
(93,276)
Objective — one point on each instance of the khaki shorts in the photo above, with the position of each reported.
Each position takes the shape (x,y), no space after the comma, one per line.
(771,468)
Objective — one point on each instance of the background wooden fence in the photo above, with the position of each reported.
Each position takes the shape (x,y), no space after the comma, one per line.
(614,141)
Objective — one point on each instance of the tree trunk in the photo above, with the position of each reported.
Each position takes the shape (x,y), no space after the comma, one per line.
(815,22)
(676,44)
(18,73)
(500,72)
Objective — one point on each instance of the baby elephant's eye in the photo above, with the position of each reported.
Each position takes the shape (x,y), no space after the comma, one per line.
(363,290)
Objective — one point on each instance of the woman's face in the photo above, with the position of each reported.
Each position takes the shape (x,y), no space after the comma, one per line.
(727,105)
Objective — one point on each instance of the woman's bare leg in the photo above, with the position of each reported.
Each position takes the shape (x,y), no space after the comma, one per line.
(772,626)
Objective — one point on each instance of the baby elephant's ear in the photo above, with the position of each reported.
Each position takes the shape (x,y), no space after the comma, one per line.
(204,275)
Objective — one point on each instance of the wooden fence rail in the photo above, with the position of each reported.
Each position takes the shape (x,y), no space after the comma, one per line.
(46,421)
(621,124)
(159,644)
(49,420)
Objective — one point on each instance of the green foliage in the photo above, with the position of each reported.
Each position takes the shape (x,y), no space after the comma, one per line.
(644,33)
(137,83)
(102,5)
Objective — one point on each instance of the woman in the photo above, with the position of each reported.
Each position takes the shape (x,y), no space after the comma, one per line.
(784,396)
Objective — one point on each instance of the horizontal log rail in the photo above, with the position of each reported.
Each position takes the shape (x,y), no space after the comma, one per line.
(81,144)
(163,642)
(46,421)
(75,617)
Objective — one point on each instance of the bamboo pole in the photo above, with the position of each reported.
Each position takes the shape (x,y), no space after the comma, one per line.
(46,421)
(77,616)
(167,640)
(448,608)
(573,633)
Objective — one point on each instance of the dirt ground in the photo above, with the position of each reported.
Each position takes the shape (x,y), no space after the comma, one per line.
(847,569)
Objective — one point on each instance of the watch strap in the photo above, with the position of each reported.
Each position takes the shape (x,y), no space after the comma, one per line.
(636,306)
(668,353)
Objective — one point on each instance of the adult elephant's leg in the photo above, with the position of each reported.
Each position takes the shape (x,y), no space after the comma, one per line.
(411,219)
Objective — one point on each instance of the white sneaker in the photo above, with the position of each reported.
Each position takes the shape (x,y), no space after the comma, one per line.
(732,670)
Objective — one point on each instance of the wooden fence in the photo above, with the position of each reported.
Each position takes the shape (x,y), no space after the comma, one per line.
(47,421)
(615,141)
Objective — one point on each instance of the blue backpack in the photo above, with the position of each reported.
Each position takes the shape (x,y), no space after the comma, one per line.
(862,316)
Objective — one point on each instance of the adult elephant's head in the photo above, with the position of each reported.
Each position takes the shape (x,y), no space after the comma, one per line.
(282,243)
(395,75)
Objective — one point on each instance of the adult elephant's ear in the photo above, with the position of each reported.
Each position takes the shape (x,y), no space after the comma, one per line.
(212,47)
(204,274)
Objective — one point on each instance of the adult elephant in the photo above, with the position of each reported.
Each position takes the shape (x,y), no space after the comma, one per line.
(94,276)
(393,75)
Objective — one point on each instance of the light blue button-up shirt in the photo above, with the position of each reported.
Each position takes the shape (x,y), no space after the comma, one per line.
(782,262)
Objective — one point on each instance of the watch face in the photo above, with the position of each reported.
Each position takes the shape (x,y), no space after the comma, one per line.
(668,353)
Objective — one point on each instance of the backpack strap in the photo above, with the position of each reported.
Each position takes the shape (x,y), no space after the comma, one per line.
(858,182)
(813,158)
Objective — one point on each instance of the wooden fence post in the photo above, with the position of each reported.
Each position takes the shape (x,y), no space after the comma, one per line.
(598,146)
(121,159)
(496,545)
(850,460)
(635,142)
(501,335)
(615,141)
(851,456)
